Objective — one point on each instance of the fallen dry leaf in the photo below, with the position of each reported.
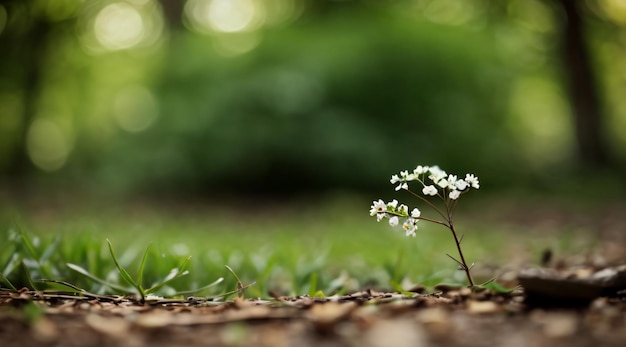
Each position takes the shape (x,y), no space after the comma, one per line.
(436,320)
(482,307)
(325,316)
(45,330)
(397,333)
(112,326)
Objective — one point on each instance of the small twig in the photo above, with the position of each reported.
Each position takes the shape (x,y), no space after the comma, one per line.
(434,221)
(461,266)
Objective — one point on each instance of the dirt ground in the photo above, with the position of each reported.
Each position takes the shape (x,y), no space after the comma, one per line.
(458,317)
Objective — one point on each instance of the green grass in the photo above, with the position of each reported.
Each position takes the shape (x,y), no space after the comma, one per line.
(330,246)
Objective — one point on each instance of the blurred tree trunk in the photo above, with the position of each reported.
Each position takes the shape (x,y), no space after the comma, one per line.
(173,13)
(586,106)
(28,54)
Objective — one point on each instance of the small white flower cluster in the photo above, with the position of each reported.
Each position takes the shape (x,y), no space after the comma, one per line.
(394,212)
(439,178)
(451,188)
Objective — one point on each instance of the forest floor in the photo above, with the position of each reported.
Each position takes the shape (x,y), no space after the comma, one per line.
(458,317)
(563,303)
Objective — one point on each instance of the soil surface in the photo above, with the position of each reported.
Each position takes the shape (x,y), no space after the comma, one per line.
(447,317)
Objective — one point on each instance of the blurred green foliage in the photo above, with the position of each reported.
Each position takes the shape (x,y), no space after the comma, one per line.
(288,95)
(326,111)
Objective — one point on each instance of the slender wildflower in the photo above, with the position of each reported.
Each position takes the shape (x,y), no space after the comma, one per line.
(434,184)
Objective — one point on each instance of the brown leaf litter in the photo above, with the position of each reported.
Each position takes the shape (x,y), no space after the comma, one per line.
(455,317)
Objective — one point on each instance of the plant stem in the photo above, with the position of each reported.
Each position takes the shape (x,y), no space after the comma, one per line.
(433,221)
(427,202)
(458,247)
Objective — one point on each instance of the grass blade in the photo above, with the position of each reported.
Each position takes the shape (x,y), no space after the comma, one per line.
(87,274)
(26,242)
(74,288)
(29,280)
(218,281)
(125,275)
(6,280)
(240,285)
(142,266)
(494,286)
(237,291)
(174,274)
(15,259)
(49,251)
(313,285)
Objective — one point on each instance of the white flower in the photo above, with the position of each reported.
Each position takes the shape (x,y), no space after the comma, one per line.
(403,209)
(430,190)
(472,181)
(378,207)
(394,179)
(443,183)
(411,177)
(393,204)
(452,180)
(404,173)
(420,170)
(409,226)
(416,213)
(436,173)
(461,185)
(409,223)
(454,194)
(380,216)
(393,221)
(404,186)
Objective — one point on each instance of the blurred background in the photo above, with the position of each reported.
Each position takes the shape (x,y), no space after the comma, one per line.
(209,98)
(143,119)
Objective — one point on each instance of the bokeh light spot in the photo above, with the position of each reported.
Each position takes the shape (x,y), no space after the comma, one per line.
(615,9)
(225,16)
(230,15)
(135,108)
(47,145)
(119,26)
(449,12)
